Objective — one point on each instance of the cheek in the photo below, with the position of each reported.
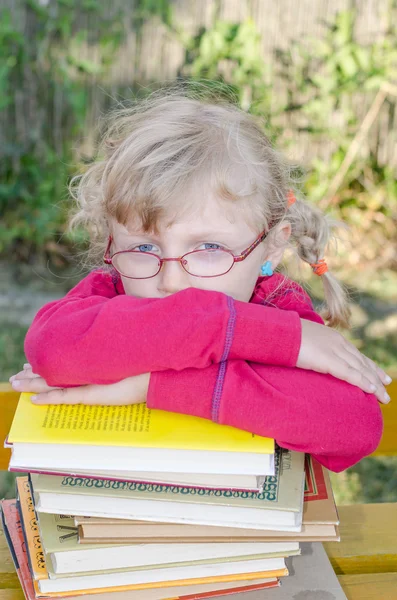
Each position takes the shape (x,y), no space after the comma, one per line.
(144,288)
(239,284)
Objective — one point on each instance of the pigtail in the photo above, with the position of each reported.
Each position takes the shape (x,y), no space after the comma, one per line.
(311,232)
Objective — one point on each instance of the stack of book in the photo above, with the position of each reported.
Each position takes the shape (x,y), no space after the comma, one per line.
(123,502)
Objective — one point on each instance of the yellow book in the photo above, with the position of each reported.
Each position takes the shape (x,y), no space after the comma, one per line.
(100,441)
(129,425)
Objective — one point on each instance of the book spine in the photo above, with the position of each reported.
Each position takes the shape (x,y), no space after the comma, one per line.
(31,529)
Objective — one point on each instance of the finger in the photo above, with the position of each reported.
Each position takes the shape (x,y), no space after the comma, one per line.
(116,394)
(349,369)
(383,376)
(386,379)
(370,371)
(85,394)
(25,374)
(33,385)
(27,366)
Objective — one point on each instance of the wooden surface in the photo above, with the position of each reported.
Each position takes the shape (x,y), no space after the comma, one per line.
(365,560)
(369,540)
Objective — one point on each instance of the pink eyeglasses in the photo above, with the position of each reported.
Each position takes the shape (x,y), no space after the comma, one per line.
(212,262)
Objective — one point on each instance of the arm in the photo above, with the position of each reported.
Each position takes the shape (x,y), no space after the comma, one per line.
(94,336)
(305,411)
(302,410)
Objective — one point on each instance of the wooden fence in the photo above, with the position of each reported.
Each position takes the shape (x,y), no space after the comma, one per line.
(156,55)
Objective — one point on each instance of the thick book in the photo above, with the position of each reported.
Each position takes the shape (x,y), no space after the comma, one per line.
(64,554)
(13,534)
(278,507)
(131,437)
(239,483)
(320,522)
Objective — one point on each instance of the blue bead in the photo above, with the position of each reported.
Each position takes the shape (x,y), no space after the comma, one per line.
(266,269)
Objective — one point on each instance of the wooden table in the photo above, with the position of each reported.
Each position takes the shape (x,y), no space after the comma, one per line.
(365,561)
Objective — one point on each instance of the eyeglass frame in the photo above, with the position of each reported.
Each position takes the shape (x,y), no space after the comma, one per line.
(108,258)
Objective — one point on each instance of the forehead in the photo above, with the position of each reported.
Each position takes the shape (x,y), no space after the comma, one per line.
(202,213)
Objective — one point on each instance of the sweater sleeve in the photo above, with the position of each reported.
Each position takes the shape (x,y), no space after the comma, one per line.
(302,410)
(94,335)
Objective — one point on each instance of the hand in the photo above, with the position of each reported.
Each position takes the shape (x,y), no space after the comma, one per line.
(326,351)
(132,390)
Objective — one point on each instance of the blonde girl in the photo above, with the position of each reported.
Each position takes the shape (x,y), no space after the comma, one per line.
(190,210)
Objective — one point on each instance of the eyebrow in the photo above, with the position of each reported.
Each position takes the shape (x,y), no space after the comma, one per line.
(193,237)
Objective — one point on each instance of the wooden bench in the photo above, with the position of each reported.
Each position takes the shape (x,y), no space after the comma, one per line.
(365,561)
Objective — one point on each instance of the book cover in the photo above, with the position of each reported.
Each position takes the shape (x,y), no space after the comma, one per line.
(132,425)
(283,491)
(207,481)
(319,505)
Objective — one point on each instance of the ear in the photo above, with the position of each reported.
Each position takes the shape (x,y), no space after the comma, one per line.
(275,250)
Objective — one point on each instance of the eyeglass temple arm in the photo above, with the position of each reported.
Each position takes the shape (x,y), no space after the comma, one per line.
(106,257)
(254,244)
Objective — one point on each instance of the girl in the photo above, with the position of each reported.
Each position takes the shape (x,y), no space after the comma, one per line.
(191,209)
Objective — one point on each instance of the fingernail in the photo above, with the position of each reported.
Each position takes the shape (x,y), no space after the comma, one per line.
(33,398)
(11,379)
(386,397)
(26,365)
(388,379)
(15,384)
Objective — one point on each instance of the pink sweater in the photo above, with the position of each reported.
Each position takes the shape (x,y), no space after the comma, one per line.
(210,356)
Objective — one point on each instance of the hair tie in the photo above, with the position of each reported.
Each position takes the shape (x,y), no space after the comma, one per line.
(320,267)
(291,199)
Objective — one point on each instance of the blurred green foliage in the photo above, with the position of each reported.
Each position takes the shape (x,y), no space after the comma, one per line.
(34,174)
(318,77)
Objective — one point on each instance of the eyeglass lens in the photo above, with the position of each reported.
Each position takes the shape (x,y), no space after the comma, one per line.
(203,263)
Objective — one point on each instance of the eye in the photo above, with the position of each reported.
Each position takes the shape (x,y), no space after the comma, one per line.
(211,246)
(144,248)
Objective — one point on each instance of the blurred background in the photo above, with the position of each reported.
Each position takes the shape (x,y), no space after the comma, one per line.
(323,77)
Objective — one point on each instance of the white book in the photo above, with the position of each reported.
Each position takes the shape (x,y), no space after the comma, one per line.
(250,483)
(140,555)
(73,457)
(87,582)
(64,553)
(278,508)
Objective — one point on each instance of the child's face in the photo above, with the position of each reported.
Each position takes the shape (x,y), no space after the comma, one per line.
(211,226)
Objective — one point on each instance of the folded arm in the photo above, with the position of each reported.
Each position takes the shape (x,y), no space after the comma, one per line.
(93,336)
(303,410)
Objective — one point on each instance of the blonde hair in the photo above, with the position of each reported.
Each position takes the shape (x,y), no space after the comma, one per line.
(153,150)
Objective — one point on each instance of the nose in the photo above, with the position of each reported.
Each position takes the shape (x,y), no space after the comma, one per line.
(172,278)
